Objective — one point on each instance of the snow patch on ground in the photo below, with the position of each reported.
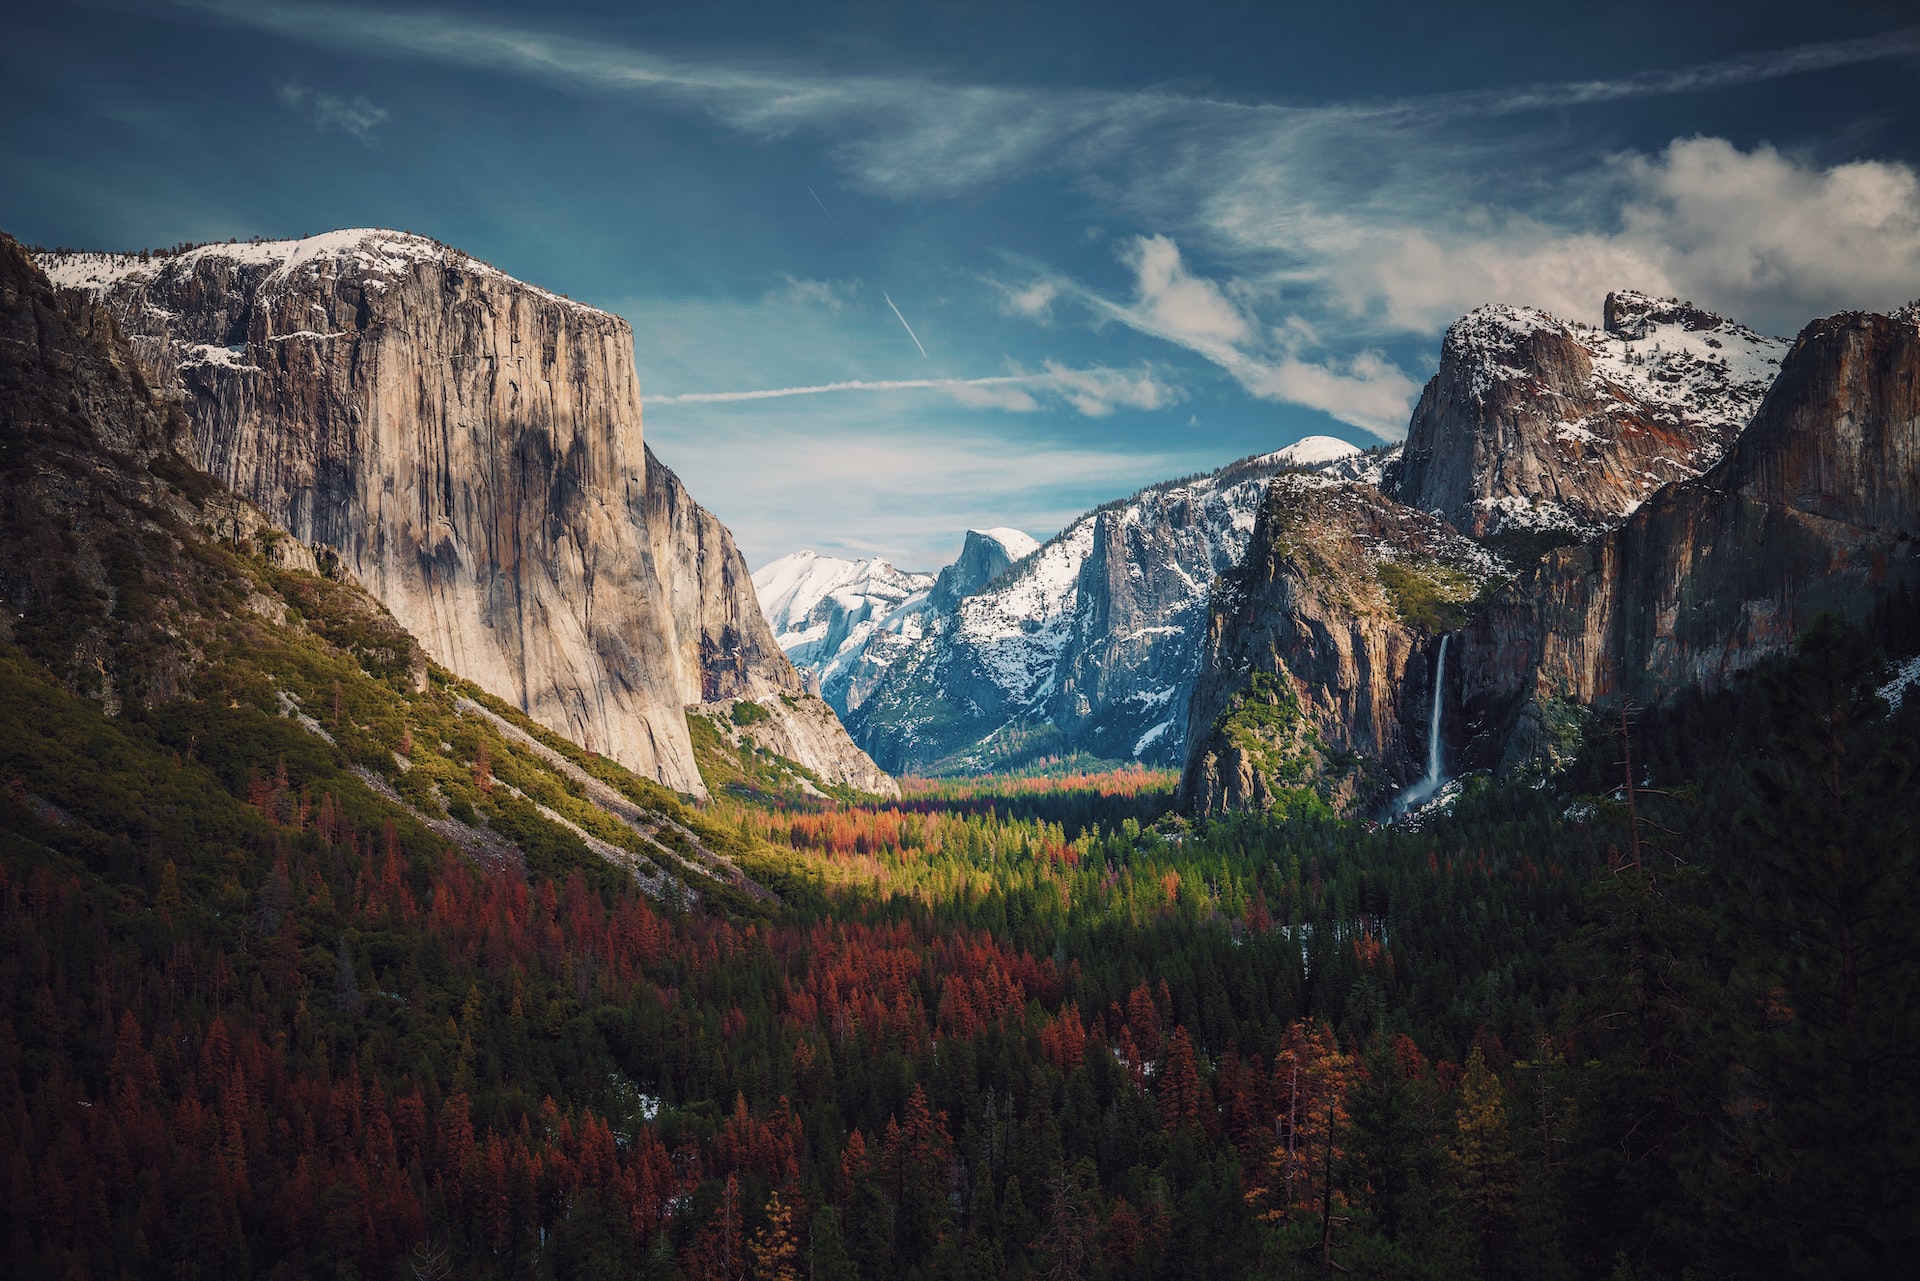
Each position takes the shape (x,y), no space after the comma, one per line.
(1152,736)
(1905,676)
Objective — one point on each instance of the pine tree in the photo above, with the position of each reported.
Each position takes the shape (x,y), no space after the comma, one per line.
(1826,880)
(1483,1156)
(775,1251)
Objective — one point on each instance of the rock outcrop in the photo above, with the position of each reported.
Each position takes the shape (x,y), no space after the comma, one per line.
(1533,424)
(1815,508)
(470,448)
(795,728)
(1318,668)
(984,556)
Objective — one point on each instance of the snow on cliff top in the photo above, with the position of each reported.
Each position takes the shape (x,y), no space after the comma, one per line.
(373,250)
(1018,545)
(1662,352)
(1310,452)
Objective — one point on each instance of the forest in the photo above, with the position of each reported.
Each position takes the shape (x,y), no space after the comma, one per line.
(1652,1018)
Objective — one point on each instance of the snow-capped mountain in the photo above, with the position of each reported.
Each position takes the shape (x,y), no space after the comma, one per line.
(819,606)
(1090,643)
(1533,423)
(844,622)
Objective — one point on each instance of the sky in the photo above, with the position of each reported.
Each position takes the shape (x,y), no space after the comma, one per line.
(899,270)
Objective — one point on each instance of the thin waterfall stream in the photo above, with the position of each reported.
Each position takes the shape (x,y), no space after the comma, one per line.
(1423,790)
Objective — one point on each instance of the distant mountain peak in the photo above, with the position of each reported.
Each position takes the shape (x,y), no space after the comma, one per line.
(1310,452)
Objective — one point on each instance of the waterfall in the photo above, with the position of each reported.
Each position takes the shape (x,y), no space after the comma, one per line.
(1423,790)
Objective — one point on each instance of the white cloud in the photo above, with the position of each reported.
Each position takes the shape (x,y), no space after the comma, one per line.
(356,115)
(1756,234)
(826,295)
(1177,302)
(1098,392)
(1033,301)
(1365,390)
(1751,227)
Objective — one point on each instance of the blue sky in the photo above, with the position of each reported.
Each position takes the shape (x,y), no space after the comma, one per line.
(1130,241)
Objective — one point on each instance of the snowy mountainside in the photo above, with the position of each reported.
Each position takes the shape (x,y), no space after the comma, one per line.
(1089,644)
(818,605)
(845,622)
(1534,423)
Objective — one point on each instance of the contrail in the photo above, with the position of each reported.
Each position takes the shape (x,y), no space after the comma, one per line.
(904,325)
(900,384)
(823,209)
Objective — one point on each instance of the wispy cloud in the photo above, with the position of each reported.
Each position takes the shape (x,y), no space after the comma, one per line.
(1094,393)
(1385,209)
(864,487)
(1172,304)
(961,134)
(357,115)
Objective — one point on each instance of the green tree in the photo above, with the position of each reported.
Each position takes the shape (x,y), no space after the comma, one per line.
(1825,884)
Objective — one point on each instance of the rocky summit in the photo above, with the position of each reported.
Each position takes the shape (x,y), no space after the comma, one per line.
(469,448)
(1533,424)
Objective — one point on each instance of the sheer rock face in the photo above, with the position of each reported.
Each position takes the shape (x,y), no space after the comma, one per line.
(471,448)
(1535,424)
(984,556)
(1815,508)
(1317,671)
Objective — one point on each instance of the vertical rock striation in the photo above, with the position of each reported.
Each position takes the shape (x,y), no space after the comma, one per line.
(470,447)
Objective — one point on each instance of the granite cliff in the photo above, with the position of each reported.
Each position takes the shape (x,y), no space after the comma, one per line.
(1816,507)
(469,447)
(1321,650)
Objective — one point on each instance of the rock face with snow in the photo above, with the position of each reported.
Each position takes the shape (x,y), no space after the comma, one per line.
(819,606)
(1535,424)
(1317,674)
(1088,644)
(1815,508)
(470,447)
(986,554)
(839,619)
